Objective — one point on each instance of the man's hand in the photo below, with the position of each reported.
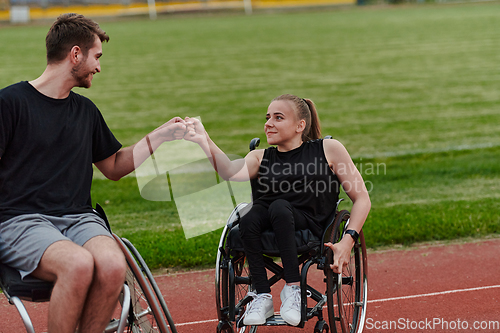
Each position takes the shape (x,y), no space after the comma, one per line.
(174,129)
(341,253)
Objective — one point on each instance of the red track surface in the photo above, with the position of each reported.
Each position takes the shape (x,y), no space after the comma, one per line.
(434,288)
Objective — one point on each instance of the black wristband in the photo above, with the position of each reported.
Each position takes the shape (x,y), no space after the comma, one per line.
(354,234)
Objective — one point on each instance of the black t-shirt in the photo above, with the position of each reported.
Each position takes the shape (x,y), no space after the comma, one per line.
(47,147)
(303,178)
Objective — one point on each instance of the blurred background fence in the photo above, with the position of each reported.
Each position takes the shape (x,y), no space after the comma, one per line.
(24,11)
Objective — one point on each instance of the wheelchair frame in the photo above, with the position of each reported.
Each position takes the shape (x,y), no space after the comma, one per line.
(345,296)
(141,304)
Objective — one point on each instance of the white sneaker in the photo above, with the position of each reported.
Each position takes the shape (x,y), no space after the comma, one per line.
(258,310)
(290,304)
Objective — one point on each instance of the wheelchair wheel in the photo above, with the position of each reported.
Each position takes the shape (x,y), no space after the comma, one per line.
(239,286)
(149,276)
(232,287)
(221,284)
(146,314)
(346,292)
(232,283)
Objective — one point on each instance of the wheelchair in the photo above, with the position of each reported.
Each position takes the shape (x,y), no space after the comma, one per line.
(345,294)
(141,307)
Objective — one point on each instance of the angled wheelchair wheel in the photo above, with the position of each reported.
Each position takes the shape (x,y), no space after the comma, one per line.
(346,292)
(232,283)
(221,284)
(146,313)
(239,286)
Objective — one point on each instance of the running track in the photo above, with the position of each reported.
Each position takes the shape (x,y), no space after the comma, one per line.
(429,288)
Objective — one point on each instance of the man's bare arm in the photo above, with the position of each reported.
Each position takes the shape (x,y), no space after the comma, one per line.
(129,158)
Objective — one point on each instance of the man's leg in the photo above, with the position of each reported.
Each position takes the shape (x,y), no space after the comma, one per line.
(71,267)
(108,279)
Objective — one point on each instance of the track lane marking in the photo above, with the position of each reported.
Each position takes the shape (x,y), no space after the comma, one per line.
(378,300)
(432,294)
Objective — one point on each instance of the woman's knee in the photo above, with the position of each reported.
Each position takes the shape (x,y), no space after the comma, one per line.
(251,222)
(281,209)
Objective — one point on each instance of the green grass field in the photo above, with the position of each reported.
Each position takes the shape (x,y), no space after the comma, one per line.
(413,93)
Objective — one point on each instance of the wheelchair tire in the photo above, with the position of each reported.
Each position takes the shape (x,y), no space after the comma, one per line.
(238,271)
(146,315)
(221,282)
(346,292)
(145,269)
(232,283)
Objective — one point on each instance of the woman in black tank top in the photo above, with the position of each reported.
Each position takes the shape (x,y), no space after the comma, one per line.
(296,186)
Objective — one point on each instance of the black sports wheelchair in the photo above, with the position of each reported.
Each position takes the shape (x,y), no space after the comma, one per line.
(343,294)
(141,307)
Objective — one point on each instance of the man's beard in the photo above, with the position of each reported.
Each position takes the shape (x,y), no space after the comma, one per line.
(82,76)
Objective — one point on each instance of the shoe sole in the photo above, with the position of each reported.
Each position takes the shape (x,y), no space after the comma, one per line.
(268,315)
(289,322)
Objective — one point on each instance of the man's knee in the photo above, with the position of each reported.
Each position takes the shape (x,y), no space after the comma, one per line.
(115,267)
(110,268)
(66,261)
(80,269)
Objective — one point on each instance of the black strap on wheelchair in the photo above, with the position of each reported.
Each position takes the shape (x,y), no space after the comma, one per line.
(100,211)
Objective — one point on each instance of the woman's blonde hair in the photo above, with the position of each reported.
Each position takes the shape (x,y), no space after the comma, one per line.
(304,109)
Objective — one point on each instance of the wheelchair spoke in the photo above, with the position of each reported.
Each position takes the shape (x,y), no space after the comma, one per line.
(142,318)
(144,313)
(347,315)
(144,323)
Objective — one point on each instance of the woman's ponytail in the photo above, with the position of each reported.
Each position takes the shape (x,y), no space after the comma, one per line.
(315,128)
(306,110)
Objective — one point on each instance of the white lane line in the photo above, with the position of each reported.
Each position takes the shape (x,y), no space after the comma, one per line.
(378,300)
(432,294)
(197,322)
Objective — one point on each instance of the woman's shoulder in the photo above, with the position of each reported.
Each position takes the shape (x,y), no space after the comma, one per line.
(324,144)
(335,150)
(332,144)
(256,154)
(266,151)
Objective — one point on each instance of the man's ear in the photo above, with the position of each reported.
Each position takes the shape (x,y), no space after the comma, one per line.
(76,54)
(301,126)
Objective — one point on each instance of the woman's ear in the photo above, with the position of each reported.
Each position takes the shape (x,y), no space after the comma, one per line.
(301,126)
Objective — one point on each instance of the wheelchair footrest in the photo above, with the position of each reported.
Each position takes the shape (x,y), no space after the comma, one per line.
(275,320)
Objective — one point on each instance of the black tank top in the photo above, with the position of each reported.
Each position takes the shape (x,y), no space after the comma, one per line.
(303,178)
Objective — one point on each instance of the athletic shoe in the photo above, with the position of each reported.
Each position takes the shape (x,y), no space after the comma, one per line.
(258,310)
(290,304)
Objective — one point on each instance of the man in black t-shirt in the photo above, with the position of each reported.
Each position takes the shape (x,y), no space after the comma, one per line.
(49,139)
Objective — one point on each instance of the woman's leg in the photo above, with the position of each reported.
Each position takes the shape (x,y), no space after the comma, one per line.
(285,219)
(252,224)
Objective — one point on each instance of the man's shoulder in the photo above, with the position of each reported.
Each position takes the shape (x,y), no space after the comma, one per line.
(82,99)
(13,89)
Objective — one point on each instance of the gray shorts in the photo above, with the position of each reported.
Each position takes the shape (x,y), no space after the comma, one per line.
(24,238)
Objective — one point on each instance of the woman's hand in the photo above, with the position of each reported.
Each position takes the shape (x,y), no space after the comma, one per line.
(195,131)
(341,253)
